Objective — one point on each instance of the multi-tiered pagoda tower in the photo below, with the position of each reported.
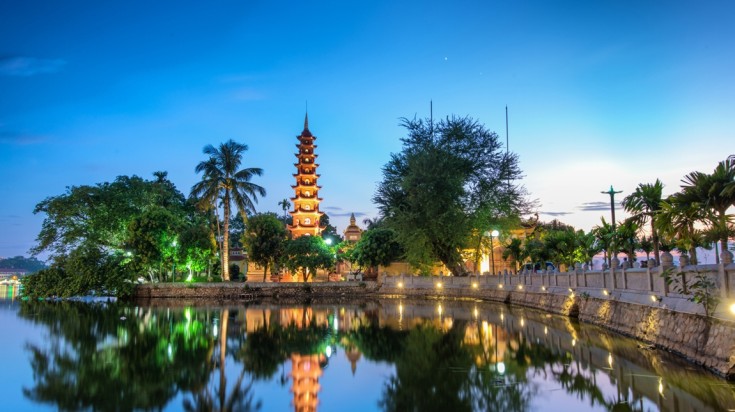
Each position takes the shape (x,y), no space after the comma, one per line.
(305,214)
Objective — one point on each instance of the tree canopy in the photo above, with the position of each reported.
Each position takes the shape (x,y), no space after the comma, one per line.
(265,240)
(450,180)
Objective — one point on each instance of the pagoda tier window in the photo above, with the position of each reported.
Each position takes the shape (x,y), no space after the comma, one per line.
(307,221)
(307,207)
(307,193)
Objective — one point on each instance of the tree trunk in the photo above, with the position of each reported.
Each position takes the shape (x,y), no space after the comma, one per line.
(226,238)
(654,236)
(265,271)
(223,356)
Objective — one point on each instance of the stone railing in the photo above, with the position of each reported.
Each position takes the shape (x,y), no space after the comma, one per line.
(644,286)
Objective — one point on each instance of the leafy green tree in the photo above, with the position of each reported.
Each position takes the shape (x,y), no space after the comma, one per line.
(447,175)
(237,230)
(587,247)
(197,248)
(223,182)
(561,246)
(30,264)
(99,215)
(713,192)
(514,251)
(627,238)
(265,240)
(307,254)
(678,219)
(91,224)
(605,236)
(644,204)
(377,247)
(152,239)
(330,231)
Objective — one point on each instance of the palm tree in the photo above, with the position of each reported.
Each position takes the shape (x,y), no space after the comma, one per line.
(644,204)
(224,183)
(677,220)
(514,250)
(714,193)
(285,205)
(605,237)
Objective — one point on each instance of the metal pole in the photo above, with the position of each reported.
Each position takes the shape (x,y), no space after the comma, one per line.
(612,194)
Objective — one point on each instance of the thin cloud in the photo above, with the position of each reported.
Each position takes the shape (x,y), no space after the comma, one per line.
(596,206)
(248,94)
(556,213)
(332,208)
(357,214)
(20,139)
(29,66)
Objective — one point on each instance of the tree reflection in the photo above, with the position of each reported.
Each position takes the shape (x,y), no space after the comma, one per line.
(96,357)
(117,357)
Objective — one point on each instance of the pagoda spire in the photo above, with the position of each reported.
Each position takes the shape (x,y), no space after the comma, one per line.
(306,120)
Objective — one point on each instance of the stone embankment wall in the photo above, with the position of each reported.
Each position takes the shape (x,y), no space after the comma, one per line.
(634,302)
(228,291)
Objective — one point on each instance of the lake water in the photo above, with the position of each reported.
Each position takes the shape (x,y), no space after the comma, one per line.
(395,355)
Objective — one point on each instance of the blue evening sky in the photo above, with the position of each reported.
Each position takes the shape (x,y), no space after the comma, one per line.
(599,93)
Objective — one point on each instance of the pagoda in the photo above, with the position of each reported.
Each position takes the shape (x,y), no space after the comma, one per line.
(305,215)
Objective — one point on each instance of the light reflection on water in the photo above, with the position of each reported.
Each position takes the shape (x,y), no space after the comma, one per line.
(382,355)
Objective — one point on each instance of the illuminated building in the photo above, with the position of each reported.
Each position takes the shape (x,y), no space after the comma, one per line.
(305,214)
(353,233)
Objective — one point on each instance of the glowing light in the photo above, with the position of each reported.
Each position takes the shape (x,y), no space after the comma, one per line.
(605,292)
(609,359)
(400,284)
(495,233)
(336,324)
(523,322)
(574,342)
(474,285)
(661,386)
(732,308)
(190,277)
(400,308)
(500,367)
(476,313)
(328,351)
(654,298)
(438,285)
(502,317)
(500,286)
(546,330)
(187,314)
(439,309)
(329,242)
(214,331)
(571,290)
(543,288)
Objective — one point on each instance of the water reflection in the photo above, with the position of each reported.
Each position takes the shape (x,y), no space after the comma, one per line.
(440,355)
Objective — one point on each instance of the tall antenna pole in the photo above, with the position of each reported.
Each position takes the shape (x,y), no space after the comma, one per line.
(431,117)
(506,129)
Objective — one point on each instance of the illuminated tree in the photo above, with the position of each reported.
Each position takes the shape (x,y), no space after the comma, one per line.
(447,175)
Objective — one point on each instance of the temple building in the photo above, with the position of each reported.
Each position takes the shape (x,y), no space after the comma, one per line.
(305,214)
(353,233)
